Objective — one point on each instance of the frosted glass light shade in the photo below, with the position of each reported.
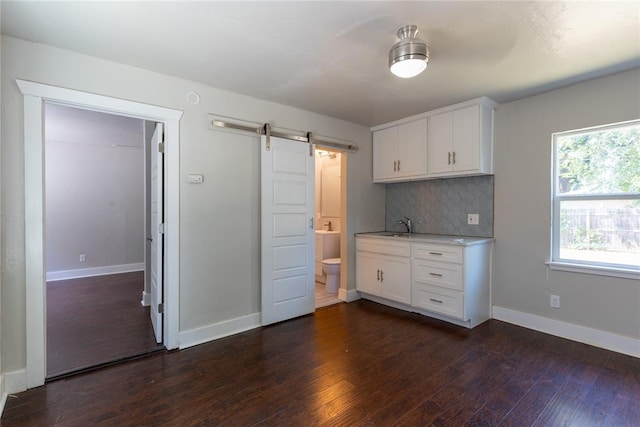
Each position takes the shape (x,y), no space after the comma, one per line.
(410,55)
(408,68)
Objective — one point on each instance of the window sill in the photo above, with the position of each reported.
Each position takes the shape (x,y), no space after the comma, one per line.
(625,273)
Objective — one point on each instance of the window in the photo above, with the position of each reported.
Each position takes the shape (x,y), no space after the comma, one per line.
(596,198)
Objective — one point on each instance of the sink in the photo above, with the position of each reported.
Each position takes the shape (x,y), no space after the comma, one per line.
(407,235)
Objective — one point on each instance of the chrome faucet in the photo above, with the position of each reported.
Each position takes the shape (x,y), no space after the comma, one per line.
(407,224)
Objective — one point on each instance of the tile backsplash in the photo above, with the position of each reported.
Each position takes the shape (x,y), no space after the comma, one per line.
(441,206)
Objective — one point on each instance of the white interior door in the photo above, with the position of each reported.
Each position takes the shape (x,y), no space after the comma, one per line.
(288,236)
(157,232)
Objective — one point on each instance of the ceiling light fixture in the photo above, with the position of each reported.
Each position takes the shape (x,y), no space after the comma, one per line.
(409,56)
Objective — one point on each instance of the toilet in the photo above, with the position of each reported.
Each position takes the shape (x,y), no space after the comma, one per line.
(331,266)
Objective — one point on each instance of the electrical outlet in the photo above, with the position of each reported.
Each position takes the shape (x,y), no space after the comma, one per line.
(555,301)
(83,258)
(473,219)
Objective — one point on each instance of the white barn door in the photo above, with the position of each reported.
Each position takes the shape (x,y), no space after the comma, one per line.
(288,236)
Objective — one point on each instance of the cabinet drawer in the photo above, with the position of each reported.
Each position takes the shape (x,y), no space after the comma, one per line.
(432,252)
(439,300)
(438,273)
(382,246)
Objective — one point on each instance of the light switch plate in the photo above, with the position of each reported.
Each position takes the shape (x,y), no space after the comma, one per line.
(195,179)
(473,219)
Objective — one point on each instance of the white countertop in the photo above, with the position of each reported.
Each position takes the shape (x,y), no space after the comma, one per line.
(427,238)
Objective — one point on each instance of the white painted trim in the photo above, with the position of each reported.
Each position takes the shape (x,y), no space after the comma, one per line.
(349,295)
(15,381)
(35,94)
(219,330)
(600,270)
(146,299)
(52,276)
(11,382)
(583,334)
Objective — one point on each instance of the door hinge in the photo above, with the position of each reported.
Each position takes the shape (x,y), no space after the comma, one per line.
(161,308)
(161,147)
(161,228)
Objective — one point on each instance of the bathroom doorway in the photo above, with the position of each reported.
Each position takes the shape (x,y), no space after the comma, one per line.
(330,222)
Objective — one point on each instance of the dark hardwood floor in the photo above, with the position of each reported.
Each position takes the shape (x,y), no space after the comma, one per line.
(95,320)
(348,365)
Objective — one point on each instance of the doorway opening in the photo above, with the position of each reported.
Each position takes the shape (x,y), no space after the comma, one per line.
(98,204)
(34,97)
(330,220)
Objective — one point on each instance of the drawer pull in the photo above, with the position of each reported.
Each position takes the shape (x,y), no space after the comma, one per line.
(435,300)
(435,274)
(378,275)
(381,276)
(435,253)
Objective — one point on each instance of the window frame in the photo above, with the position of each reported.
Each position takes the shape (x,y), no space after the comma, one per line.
(577,265)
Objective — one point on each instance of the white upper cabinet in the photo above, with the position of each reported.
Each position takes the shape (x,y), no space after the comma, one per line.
(400,152)
(459,142)
(455,146)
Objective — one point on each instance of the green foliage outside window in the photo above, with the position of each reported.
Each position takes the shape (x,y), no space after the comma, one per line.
(602,162)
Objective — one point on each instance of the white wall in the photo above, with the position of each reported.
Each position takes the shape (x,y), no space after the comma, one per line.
(219,220)
(522,281)
(94,190)
(328,173)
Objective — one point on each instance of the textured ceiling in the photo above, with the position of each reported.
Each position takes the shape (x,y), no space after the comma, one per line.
(332,57)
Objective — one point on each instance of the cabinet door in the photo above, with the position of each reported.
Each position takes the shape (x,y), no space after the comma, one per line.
(396,279)
(440,143)
(385,153)
(412,148)
(466,138)
(368,273)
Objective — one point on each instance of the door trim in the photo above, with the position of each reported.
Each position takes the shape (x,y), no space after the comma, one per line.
(35,94)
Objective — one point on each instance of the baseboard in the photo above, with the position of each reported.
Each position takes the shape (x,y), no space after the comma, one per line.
(583,334)
(146,299)
(11,382)
(219,330)
(94,271)
(348,295)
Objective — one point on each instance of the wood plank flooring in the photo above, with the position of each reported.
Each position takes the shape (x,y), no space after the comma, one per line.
(352,364)
(95,320)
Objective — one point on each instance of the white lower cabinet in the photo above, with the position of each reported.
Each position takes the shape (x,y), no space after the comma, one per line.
(452,280)
(449,282)
(383,268)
